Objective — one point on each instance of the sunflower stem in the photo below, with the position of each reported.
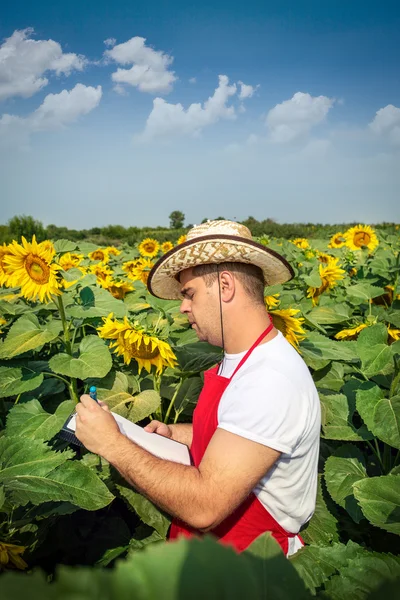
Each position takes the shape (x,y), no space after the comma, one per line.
(73,386)
(171,404)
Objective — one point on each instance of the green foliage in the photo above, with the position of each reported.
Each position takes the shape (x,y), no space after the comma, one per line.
(26,226)
(176,219)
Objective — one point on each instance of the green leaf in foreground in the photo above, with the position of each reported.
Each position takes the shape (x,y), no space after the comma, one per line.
(315,564)
(329,315)
(342,469)
(379,498)
(27,334)
(30,420)
(17,380)
(362,576)
(381,415)
(146,510)
(94,360)
(322,529)
(376,356)
(31,472)
(365,291)
(317,345)
(336,420)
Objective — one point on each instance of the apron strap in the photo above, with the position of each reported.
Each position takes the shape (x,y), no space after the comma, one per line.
(258,340)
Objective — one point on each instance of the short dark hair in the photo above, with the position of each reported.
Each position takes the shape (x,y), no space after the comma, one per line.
(250,276)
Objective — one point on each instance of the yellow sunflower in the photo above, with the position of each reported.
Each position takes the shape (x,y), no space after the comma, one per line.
(361,236)
(29,267)
(309,254)
(149,247)
(181,240)
(271,302)
(10,556)
(117,288)
(330,274)
(323,257)
(2,322)
(133,343)
(291,326)
(394,334)
(100,254)
(353,272)
(337,240)
(350,333)
(70,260)
(101,271)
(48,247)
(301,243)
(141,271)
(113,251)
(4,277)
(131,265)
(166,247)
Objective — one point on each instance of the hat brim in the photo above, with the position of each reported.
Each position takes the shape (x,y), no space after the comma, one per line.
(210,249)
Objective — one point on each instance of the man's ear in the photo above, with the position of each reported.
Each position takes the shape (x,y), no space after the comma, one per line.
(227,285)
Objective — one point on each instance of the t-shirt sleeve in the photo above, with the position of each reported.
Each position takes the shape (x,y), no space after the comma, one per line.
(269,411)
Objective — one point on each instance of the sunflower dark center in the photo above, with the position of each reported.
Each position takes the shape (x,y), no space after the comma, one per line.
(98,255)
(37,269)
(279,323)
(361,238)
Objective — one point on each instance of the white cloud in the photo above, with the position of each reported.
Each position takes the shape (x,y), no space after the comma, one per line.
(295,118)
(247,91)
(387,122)
(149,71)
(56,111)
(110,42)
(193,80)
(23,63)
(166,120)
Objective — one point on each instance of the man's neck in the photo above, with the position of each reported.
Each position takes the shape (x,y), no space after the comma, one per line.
(241,334)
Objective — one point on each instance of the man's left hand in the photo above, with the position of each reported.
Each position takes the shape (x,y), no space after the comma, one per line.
(96,428)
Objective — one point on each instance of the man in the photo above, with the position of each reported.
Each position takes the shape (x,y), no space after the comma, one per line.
(254,440)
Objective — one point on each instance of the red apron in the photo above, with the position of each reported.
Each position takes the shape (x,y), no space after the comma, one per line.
(251,518)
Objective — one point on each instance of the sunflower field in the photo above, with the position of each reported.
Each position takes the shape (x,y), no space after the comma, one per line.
(73,315)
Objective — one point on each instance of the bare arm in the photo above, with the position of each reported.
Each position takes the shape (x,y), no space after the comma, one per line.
(202,496)
(180,432)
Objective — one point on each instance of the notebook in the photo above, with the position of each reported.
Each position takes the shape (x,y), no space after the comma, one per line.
(152,442)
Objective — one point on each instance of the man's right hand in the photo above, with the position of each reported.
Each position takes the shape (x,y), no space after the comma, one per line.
(160,428)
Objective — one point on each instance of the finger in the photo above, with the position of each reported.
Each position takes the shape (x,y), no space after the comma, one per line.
(153,426)
(88,402)
(103,406)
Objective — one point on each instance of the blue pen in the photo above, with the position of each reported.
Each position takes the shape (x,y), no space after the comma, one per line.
(93,392)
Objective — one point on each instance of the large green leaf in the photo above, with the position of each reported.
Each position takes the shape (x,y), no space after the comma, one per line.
(362,576)
(31,472)
(20,458)
(94,360)
(194,358)
(30,420)
(342,469)
(144,404)
(331,378)
(322,529)
(365,291)
(329,315)
(17,380)
(379,498)
(96,302)
(336,419)
(317,345)
(64,246)
(315,564)
(27,334)
(146,510)
(381,415)
(376,356)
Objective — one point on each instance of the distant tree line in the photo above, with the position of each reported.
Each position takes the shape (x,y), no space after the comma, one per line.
(27,226)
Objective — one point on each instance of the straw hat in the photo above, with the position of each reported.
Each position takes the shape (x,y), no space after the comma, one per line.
(215,242)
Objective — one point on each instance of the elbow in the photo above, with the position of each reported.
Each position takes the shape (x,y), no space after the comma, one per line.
(201,521)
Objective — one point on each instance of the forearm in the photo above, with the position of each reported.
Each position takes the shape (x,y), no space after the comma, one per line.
(178,489)
(182,432)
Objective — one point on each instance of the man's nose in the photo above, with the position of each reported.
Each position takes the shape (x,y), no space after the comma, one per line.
(184,308)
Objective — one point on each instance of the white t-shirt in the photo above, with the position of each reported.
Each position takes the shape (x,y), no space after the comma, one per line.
(272,400)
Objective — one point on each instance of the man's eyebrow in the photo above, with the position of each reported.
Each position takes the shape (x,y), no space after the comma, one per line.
(185,291)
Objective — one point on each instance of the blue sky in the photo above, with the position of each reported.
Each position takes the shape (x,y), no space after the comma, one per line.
(288,110)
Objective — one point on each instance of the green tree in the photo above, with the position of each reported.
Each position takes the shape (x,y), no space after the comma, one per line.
(27,226)
(176,219)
